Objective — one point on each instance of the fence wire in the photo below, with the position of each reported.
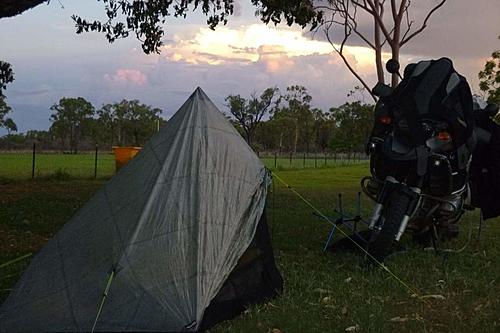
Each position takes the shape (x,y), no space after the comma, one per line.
(40,163)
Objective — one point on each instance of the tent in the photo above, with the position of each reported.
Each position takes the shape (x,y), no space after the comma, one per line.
(176,241)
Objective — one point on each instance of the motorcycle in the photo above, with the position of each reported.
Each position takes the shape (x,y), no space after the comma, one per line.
(421,147)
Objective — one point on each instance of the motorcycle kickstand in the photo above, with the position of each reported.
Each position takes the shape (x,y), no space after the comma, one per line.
(435,244)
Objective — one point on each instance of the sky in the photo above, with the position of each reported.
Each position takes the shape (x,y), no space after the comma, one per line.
(51,61)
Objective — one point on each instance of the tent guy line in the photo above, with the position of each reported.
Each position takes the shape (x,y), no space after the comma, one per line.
(412,291)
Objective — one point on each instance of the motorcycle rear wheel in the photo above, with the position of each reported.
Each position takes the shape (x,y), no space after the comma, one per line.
(381,242)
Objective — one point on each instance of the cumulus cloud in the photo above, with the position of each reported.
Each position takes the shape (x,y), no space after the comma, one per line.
(325,76)
(275,58)
(123,76)
(239,44)
(276,48)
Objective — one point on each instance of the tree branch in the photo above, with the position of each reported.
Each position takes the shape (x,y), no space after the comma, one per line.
(424,24)
(408,22)
(339,51)
(377,17)
(10,8)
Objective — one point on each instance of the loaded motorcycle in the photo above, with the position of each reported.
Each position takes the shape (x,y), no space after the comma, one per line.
(424,169)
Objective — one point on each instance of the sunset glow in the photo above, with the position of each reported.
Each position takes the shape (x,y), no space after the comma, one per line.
(254,43)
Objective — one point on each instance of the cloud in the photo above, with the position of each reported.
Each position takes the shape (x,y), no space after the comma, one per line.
(237,8)
(325,76)
(276,48)
(123,76)
(40,90)
(240,44)
(275,58)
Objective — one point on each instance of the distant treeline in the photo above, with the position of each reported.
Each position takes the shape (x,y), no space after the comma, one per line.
(293,125)
(271,121)
(77,125)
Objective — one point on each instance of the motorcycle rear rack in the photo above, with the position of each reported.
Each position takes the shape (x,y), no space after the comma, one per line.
(350,222)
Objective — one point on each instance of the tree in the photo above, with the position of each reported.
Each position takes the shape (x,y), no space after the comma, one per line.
(347,15)
(10,8)
(10,125)
(146,18)
(249,113)
(128,122)
(296,110)
(143,18)
(489,78)
(6,77)
(353,122)
(324,128)
(70,120)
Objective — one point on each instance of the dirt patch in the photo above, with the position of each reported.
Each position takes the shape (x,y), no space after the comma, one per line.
(14,191)
(16,241)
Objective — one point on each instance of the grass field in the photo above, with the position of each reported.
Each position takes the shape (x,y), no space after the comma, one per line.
(19,165)
(323,292)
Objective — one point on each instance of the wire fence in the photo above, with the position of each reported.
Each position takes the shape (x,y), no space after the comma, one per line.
(40,163)
(300,160)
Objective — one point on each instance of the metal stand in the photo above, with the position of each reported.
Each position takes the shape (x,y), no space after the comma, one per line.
(342,219)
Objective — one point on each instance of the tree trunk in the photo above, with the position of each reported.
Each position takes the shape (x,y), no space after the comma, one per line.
(71,139)
(296,140)
(378,48)
(395,46)
(248,138)
(395,56)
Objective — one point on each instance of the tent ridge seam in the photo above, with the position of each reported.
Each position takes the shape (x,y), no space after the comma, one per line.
(66,288)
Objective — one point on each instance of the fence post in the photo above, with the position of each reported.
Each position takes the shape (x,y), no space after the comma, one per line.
(325,158)
(304,161)
(33,162)
(291,156)
(275,159)
(315,160)
(95,161)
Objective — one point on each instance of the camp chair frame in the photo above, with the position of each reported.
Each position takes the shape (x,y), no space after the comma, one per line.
(351,222)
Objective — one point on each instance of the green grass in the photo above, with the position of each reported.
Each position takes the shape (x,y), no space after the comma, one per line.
(323,292)
(19,165)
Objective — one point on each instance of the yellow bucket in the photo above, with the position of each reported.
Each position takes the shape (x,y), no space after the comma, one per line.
(124,154)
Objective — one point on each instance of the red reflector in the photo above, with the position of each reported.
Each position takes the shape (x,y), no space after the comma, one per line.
(386,120)
(444,136)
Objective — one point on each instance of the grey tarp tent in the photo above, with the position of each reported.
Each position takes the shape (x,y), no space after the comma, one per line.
(164,233)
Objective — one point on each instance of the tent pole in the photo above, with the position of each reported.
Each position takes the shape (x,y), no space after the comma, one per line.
(104,296)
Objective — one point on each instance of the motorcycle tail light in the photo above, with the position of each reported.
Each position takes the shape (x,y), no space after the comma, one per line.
(386,120)
(444,136)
